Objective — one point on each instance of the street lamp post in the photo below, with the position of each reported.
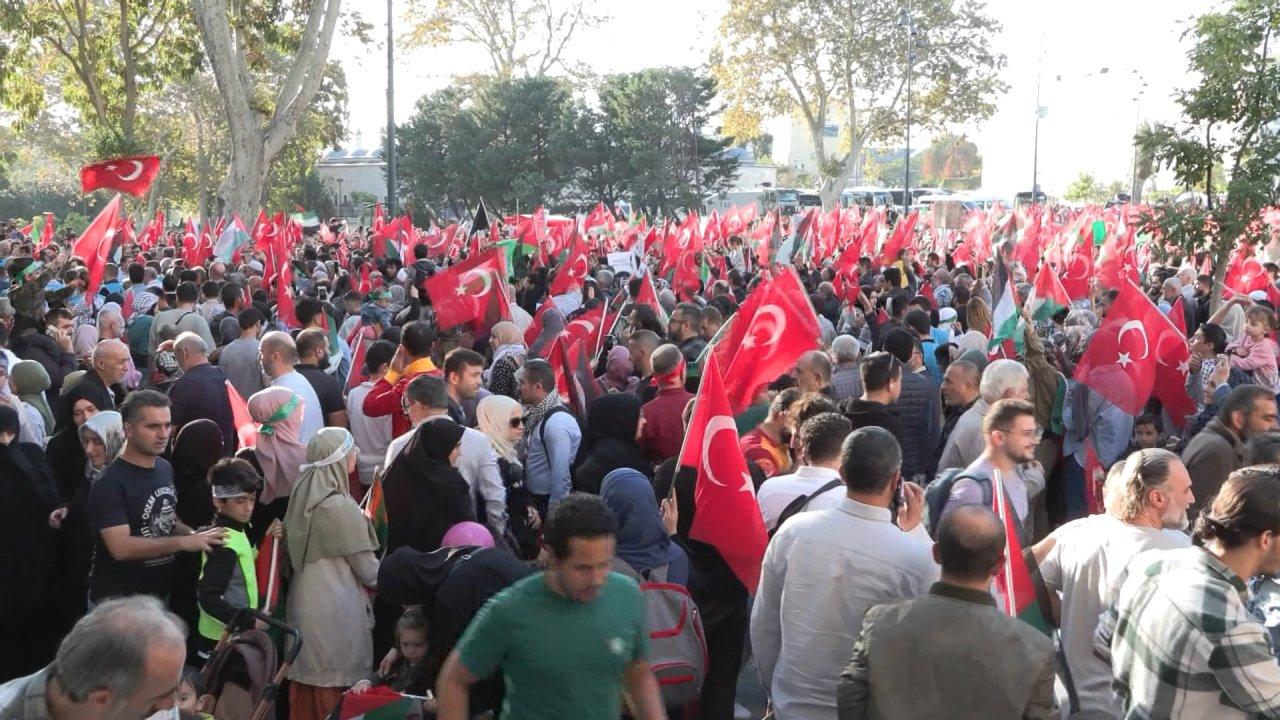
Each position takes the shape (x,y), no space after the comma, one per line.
(905,20)
(391,117)
(1041,111)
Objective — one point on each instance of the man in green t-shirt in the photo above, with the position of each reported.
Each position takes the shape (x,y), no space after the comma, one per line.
(570,640)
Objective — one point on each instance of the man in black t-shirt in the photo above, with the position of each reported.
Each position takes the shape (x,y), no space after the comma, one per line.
(313,356)
(133,509)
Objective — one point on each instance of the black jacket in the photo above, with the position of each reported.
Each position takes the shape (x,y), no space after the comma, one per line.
(31,344)
(865,413)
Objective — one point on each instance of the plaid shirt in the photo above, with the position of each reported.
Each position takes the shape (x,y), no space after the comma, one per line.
(1182,644)
(24,698)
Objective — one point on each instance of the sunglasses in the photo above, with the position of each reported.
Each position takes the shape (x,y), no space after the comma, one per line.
(516,422)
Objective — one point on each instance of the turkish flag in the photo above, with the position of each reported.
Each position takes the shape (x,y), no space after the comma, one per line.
(903,232)
(1079,270)
(46,232)
(472,290)
(781,329)
(727,514)
(1121,361)
(1244,272)
(575,268)
(1173,356)
(1118,261)
(94,244)
(687,280)
(1027,250)
(587,326)
(532,332)
(132,174)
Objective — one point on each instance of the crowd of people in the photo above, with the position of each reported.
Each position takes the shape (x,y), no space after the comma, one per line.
(455,521)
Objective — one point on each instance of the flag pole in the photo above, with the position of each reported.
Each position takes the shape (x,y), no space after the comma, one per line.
(271,578)
(998,491)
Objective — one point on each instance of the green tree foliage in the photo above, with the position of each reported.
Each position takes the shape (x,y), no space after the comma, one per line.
(1227,128)
(103,59)
(1084,189)
(523,142)
(951,161)
(846,63)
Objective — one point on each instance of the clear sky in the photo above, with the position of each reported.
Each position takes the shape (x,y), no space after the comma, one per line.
(1091,115)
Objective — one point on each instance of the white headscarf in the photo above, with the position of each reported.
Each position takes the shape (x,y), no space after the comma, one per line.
(493,416)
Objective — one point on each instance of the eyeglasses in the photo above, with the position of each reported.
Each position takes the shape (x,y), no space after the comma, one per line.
(1034,434)
(516,422)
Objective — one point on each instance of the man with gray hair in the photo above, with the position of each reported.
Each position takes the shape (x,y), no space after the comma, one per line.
(846,376)
(122,661)
(1084,562)
(110,363)
(201,392)
(1170,291)
(813,372)
(1003,379)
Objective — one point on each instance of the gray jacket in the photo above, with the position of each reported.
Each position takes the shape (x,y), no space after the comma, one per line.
(950,654)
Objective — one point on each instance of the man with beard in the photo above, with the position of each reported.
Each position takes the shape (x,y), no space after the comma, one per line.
(1011,439)
(1085,560)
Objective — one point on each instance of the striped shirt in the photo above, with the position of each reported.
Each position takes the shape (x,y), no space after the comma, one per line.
(1182,644)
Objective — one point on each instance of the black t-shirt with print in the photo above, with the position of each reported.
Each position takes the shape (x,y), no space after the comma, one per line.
(143,499)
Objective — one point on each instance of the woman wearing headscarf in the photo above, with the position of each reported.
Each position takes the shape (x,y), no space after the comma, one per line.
(508,355)
(609,442)
(331,550)
(277,453)
(553,323)
(65,451)
(617,377)
(196,447)
(501,419)
(27,496)
(100,439)
(644,540)
(30,382)
(425,493)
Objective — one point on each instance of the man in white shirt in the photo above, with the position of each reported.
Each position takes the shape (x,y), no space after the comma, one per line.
(427,400)
(820,439)
(279,354)
(828,567)
(372,434)
(1085,561)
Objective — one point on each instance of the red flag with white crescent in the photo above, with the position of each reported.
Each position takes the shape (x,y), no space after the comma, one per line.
(94,244)
(727,514)
(132,174)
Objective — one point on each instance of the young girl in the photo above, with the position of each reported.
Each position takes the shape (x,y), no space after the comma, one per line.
(1255,351)
(410,674)
(190,688)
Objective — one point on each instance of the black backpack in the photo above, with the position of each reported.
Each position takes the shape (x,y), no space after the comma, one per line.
(797,506)
(938,493)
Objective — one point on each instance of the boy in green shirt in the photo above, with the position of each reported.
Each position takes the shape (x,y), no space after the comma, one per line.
(569,640)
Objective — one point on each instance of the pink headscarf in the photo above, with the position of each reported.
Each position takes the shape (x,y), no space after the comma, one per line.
(617,373)
(278,450)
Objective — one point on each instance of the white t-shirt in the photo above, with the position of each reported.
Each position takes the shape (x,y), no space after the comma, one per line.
(312,415)
(1087,561)
(777,492)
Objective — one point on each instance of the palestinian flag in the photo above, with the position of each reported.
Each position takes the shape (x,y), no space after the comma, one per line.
(378,703)
(231,239)
(267,570)
(1014,592)
(246,428)
(1048,296)
(1005,321)
(375,509)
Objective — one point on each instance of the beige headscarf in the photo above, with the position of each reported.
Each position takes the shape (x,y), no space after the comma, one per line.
(493,416)
(323,521)
(507,342)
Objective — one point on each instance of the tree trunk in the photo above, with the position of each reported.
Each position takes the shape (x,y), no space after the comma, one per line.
(1219,275)
(832,188)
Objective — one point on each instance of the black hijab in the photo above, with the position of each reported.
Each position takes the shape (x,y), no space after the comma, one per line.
(27,496)
(609,441)
(425,494)
(196,448)
(65,453)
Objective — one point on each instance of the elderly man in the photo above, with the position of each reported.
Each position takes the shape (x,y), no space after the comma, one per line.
(111,327)
(813,372)
(1085,560)
(1003,379)
(846,376)
(959,393)
(109,364)
(1170,292)
(942,292)
(123,660)
(201,392)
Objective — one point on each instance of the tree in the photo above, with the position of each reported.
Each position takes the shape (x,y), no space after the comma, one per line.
(521,37)
(1226,118)
(657,118)
(845,62)
(243,46)
(951,161)
(426,154)
(104,59)
(1084,189)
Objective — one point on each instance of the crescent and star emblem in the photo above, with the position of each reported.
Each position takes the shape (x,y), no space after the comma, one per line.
(773,320)
(1133,325)
(715,425)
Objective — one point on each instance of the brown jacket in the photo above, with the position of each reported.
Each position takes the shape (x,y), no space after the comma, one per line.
(950,654)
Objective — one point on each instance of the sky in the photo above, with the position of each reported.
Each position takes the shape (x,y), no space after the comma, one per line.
(1061,46)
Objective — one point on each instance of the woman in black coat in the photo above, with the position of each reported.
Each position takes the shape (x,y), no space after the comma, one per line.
(425,494)
(609,442)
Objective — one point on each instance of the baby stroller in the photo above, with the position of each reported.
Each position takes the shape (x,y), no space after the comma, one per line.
(241,677)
